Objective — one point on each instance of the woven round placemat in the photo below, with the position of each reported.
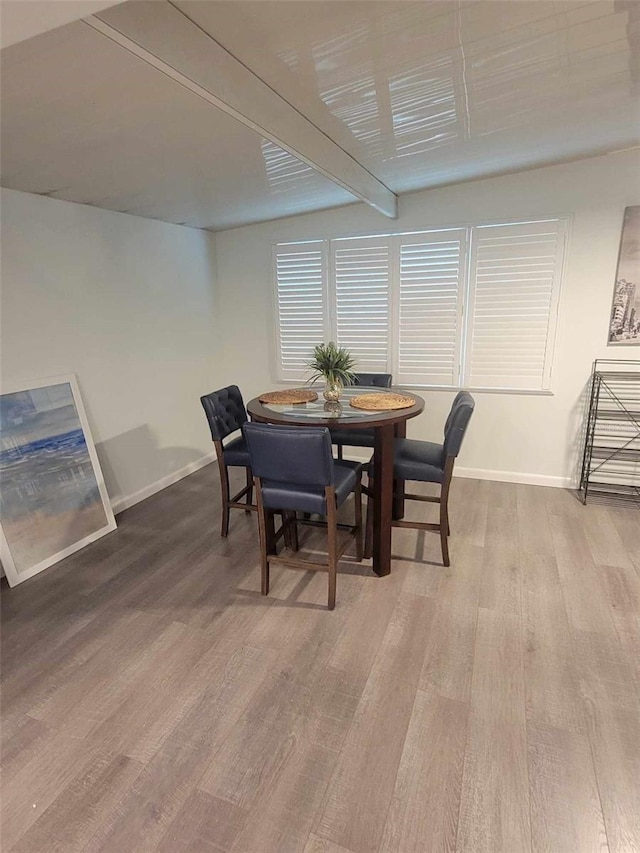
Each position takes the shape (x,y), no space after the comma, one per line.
(382,402)
(289,395)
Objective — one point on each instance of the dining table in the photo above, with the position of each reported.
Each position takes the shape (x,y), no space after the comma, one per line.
(387,425)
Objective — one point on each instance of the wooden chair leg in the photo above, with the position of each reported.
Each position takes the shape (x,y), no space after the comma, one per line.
(368,537)
(442,528)
(358,520)
(444,542)
(291,520)
(270,540)
(339,451)
(263,530)
(224,487)
(267,530)
(332,531)
(444,514)
(398,499)
(249,500)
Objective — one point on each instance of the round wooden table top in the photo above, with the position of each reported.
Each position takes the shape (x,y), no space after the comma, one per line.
(336,416)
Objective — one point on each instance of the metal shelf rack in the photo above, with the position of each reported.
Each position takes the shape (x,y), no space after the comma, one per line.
(611,459)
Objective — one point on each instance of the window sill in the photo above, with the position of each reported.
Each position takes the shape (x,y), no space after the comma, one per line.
(299,383)
(509,391)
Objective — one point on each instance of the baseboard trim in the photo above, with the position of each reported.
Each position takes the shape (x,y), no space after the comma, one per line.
(120,504)
(514,477)
(487,474)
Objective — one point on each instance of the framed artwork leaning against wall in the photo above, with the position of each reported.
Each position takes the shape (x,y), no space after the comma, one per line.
(624,325)
(53,500)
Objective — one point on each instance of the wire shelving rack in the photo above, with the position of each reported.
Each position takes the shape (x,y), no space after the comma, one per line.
(611,458)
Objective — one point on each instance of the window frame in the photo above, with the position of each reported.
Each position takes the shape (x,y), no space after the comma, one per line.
(564,221)
(563,228)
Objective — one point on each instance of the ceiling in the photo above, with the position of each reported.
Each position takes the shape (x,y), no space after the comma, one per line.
(216,114)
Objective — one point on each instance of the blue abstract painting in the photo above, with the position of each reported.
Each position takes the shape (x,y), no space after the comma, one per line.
(52,496)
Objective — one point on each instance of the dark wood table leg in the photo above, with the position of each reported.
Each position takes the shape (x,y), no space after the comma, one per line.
(382,499)
(400,431)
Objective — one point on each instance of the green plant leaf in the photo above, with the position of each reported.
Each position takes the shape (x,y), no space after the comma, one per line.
(335,364)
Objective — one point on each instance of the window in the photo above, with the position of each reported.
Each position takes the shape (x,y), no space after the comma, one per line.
(361,288)
(472,307)
(430,273)
(302,304)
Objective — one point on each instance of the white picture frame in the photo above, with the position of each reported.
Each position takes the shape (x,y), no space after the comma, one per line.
(54,500)
(624,320)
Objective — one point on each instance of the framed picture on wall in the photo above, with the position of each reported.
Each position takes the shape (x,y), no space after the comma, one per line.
(624,325)
(53,499)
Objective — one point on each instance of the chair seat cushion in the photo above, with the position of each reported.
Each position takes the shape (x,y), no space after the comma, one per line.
(237,453)
(277,495)
(418,460)
(353,437)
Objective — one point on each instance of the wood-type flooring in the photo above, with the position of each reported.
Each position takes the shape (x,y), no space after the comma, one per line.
(153,700)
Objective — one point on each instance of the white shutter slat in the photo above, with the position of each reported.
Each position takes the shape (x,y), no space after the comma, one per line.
(397,303)
(301,305)
(429,307)
(361,279)
(513,290)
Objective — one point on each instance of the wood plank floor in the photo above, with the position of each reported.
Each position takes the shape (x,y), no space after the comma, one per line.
(152,700)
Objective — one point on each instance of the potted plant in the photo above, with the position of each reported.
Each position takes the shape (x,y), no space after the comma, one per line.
(335,364)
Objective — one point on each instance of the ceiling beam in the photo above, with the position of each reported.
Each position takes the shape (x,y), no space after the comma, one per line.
(20,21)
(165,38)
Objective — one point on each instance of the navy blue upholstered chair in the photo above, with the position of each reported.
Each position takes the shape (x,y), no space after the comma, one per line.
(294,471)
(226,414)
(427,462)
(360,437)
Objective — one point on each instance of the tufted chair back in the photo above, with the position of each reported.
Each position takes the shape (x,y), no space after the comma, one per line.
(290,455)
(457,423)
(225,411)
(459,396)
(375,380)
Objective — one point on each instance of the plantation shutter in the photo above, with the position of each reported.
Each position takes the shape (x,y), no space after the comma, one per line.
(360,283)
(301,289)
(513,293)
(431,272)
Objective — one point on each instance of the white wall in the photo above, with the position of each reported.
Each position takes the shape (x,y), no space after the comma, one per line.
(132,307)
(520,438)
(129,306)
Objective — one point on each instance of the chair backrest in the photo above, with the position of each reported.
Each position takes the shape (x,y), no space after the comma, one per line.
(459,396)
(294,455)
(225,411)
(457,423)
(376,380)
